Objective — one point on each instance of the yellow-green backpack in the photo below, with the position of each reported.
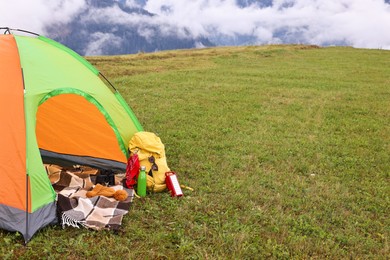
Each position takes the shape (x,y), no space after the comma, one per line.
(151,154)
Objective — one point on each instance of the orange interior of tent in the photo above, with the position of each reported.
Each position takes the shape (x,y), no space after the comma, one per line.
(12,130)
(69,124)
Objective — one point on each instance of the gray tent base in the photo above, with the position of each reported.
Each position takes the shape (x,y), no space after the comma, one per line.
(27,224)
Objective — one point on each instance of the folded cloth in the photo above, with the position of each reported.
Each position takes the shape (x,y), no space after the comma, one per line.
(97,213)
(63,177)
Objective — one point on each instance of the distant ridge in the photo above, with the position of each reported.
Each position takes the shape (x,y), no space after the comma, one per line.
(92,32)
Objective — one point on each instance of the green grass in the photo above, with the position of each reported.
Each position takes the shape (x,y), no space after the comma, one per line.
(287,148)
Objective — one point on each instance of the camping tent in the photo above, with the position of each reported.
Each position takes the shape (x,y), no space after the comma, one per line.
(54,107)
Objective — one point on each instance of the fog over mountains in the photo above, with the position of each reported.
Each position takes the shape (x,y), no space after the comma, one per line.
(107,27)
(110,27)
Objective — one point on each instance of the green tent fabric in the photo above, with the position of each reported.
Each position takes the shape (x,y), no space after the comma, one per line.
(55,108)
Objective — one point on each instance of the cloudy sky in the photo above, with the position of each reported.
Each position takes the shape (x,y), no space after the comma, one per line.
(358,23)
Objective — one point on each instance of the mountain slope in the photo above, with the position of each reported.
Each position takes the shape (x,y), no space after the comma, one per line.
(109,27)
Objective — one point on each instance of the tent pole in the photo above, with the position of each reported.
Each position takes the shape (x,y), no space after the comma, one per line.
(101,74)
(8,30)
(27,175)
(25,241)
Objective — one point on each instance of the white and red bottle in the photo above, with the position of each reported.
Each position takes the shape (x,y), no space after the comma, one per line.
(173,184)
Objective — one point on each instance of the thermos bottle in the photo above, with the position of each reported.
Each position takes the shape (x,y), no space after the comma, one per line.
(173,184)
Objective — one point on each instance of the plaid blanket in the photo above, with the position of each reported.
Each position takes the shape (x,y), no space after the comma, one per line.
(76,209)
(78,176)
(97,212)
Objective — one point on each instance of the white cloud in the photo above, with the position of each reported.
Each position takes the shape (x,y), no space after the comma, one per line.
(114,15)
(360,23)
(146,32)
(101,40)
(35,15)
(132,4)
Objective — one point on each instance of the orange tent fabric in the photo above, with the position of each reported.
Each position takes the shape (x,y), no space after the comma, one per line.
(12,130)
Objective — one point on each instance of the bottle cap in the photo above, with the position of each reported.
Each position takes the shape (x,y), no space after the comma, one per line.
(143,168)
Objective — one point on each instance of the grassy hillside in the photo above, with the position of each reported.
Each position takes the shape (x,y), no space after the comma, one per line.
(287,148)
